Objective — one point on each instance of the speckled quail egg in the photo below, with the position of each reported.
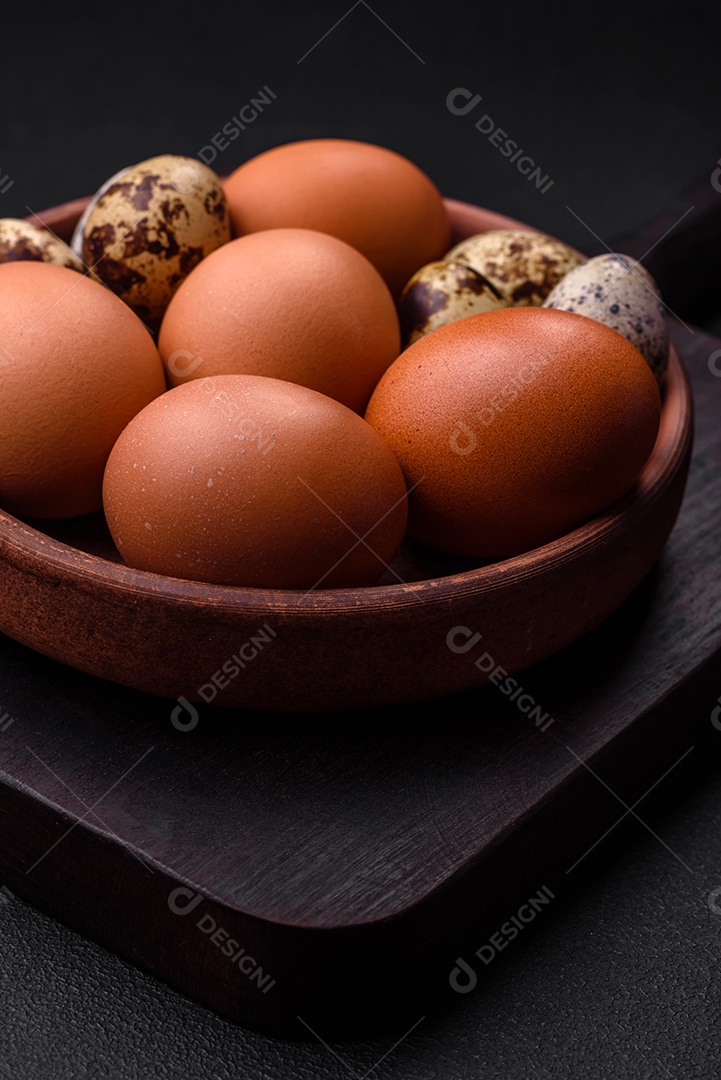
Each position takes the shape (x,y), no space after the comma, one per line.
(23,241)
(619,292)
(441,292)
(524,266)
(148,226)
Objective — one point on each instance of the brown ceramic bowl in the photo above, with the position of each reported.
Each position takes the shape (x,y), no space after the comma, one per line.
(65,593)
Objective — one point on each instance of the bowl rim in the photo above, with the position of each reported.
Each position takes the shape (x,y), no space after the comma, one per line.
(28,542)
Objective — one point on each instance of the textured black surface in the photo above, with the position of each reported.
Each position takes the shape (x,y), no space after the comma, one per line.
(621,980)
(619,105)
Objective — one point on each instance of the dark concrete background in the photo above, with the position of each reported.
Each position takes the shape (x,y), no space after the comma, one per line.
(618,104)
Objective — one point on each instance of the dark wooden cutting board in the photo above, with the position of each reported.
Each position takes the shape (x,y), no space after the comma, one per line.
(355,857)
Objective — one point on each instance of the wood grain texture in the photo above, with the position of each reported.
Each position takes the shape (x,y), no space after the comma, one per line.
(356,855)
(63,592)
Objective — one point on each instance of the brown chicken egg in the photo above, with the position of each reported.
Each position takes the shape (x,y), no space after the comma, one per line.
(76,365)
(148,226)
(244,480)
(374,199)
(22,241)
(291,304)
(515,426)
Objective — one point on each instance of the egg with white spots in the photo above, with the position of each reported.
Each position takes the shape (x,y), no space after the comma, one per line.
(24,241)
(441,292)
(617,291)
(524,266)
(248,480)
(149,226)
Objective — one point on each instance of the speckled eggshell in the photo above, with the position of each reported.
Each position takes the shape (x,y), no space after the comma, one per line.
(75,366)
(524,266)
(440,293)
(619,292)
(514,427)
(373,198)
(149,226)
(244,480)
(22,241)
(291,304)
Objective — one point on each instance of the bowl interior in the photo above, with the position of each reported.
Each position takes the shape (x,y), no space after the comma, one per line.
(415,562)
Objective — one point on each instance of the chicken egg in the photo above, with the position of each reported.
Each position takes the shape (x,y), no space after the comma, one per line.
(245,480)
(292,304)
(515,426)
(76,366)
(374,199)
